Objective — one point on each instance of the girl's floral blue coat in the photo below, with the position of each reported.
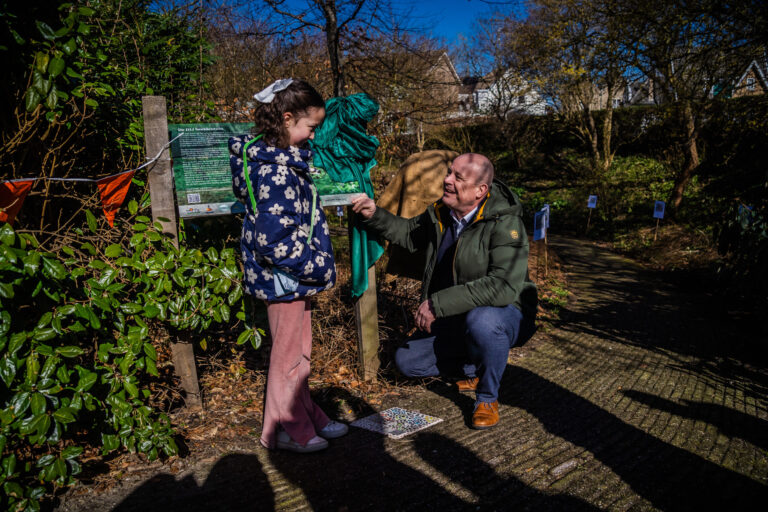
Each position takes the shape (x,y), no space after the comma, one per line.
(276,234)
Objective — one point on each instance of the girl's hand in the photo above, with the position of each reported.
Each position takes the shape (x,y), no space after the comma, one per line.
(364,206)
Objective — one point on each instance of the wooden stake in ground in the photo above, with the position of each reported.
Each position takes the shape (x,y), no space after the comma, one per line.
(164,211)
(658,213)
(367,321)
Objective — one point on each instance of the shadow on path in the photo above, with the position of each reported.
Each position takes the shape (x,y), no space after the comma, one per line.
(236,482)
(730,422)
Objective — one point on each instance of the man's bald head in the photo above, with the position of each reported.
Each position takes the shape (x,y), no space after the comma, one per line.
(476,165)
(467,183)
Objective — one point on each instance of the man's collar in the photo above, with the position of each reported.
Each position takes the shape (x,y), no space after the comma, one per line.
(467,218)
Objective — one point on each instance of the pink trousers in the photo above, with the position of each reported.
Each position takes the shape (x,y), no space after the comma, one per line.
(288,404)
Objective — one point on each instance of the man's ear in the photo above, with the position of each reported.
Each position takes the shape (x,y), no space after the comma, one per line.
(482,190)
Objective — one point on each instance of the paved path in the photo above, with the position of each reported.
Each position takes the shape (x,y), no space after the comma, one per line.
(644,398)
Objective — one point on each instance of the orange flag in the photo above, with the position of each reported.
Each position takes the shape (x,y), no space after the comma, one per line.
(12,194)
(113,190)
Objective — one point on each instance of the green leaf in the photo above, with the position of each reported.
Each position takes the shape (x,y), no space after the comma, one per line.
(37,403)
(13,489)
(69,351)
(33,423)
(130,308)
(139,227)
(20,403)
(151,367)
(44,320)
(133,207)
(56,66)
(33,368)
(244,336)
(33,99)
(7,370)
(150,351)
(113,251)
(151,310)
(109,443)
(54,269)
(131,388)
(53,97)
(85,11)
(16,342)
(64,415)
(44,334)
(45,30)
(7,236)
(70,452)
(69,47)
(91,219)
(87,380)
(45,460)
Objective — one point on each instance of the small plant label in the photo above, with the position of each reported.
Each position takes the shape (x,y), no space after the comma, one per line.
(592,202)
(658,210)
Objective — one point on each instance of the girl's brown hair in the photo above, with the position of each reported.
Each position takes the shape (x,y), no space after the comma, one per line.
(297,98)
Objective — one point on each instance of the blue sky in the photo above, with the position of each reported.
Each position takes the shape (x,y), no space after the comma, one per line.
(448,18)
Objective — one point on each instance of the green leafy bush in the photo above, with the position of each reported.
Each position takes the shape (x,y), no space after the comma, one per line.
(77,355)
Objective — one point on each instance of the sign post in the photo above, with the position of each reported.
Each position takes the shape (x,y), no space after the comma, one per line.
(540,225)
(164,212)
(591,204)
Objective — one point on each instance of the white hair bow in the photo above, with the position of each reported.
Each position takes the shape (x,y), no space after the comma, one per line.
(268,94)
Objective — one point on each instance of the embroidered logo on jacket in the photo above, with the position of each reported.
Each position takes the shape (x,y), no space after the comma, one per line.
(514,234)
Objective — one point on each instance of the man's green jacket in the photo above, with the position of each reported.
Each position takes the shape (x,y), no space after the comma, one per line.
(490,266)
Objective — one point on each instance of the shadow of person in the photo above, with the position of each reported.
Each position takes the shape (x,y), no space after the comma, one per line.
(476,476)
(729,421)
(671,478)
(358,472)
(236,482)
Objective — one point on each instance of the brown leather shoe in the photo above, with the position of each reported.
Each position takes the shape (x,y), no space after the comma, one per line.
(469,384)
(486,415)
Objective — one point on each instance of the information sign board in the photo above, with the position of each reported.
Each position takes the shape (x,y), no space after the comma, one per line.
(203,178)
(658,210)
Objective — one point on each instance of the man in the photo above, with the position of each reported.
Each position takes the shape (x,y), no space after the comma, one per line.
(477,300)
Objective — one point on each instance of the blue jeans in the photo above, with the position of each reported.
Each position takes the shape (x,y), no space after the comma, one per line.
(475,344)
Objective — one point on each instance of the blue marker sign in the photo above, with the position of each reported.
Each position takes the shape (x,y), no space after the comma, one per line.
(658,210)
(539,225)
(592,202)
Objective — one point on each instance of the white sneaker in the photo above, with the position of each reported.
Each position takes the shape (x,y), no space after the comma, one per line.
(284,442)
(333,430)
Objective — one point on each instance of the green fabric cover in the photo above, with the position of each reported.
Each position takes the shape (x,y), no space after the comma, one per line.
(343,148)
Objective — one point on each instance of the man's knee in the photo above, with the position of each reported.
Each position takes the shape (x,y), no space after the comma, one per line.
(486,324)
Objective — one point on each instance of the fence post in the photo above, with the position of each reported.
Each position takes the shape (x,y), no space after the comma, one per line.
(160,178)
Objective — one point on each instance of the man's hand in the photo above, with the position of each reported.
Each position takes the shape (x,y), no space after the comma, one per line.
(425,316)
(363,205)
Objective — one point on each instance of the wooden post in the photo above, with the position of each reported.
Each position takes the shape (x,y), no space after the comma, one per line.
(160,174)
(367,320)
(546,259)
(160,178)
(656,232)
(589,217)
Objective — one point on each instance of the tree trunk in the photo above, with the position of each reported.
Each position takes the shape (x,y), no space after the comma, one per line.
(607,156)
(332,42)
(691,158)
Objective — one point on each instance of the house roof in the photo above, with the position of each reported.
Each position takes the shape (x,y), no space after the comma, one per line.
(758,72)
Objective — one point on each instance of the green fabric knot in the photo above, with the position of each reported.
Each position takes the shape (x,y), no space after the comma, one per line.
(344,149)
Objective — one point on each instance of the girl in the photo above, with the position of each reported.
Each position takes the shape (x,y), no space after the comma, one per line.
(287,254)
